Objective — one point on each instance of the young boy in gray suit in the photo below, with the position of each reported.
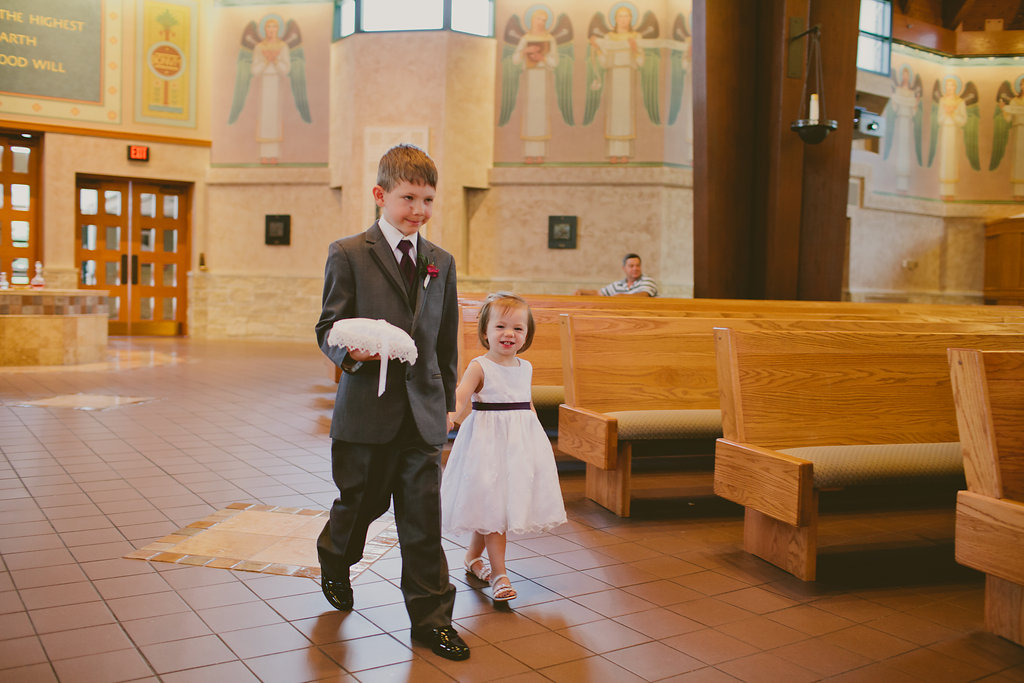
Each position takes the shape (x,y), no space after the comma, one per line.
(390,446)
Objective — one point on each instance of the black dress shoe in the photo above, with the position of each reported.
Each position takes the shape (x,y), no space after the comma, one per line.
(444,641)
(338,592)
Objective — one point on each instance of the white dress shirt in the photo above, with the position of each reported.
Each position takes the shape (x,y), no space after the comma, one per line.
(393,235)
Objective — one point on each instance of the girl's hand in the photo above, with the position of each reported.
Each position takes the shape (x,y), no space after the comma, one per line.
(451,421)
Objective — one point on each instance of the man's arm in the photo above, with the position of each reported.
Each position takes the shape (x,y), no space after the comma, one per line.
(646,287)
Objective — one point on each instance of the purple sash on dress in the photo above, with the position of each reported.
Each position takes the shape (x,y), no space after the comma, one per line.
(524,405)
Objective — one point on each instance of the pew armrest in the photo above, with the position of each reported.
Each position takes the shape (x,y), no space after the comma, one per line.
(588,436)
(989,532)
(773,483)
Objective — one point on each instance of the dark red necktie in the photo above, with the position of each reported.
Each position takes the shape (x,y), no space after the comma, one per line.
(406,265)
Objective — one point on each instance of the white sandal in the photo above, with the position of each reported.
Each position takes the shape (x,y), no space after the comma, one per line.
(502,593)
(484,572)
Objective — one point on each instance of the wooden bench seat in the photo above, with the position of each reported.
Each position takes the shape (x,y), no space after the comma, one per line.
(808,411)
(988,390)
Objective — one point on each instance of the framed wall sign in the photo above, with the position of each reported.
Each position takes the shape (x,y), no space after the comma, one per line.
(561,232)
(278,229)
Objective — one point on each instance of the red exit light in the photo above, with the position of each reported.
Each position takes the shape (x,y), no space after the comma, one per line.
(138,153)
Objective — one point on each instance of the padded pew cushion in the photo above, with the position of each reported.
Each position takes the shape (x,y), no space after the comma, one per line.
(547,396)
(839,466)
(668,424)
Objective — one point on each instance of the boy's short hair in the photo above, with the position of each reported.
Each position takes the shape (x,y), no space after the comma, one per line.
(631,255)
(504,301)
(408,163)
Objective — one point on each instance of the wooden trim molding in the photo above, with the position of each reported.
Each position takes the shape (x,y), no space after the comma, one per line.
(99,133)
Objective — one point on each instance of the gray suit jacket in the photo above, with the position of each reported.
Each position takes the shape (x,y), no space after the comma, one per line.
(362,280)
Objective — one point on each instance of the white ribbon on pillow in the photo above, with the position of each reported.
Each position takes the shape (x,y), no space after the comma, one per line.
(374,337)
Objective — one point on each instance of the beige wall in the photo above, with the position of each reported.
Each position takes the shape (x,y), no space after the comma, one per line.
(493,218)
(65,157)
(382,94)
(915,250)
(907,244)
(644,210)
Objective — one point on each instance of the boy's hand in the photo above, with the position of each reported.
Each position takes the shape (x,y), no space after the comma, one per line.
(362,356)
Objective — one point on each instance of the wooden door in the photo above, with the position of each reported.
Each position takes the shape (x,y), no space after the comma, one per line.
(20,230)
(133,240)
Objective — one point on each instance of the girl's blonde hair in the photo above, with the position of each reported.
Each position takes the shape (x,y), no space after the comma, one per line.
(504,301)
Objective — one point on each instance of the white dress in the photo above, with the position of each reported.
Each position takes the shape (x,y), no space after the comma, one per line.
(501,472)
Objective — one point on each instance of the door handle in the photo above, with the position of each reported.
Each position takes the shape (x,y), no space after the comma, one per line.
(123,280)
(135,269)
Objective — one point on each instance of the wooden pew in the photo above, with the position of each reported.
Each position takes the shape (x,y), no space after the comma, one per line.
(804,412)
(988,390)
(632,378)
(616,366)
(769,308)
(546,356)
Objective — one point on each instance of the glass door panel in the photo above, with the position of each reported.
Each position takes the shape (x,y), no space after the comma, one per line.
(20,233)
(130,244)
(158,248)
(102,226)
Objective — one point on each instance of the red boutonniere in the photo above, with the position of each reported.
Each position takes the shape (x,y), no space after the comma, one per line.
(427,271)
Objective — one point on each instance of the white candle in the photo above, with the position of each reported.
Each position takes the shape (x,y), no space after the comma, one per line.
(814,107)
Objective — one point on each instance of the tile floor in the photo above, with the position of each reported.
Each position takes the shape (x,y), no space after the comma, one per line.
(665,595)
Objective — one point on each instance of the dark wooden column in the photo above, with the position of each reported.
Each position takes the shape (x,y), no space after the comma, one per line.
(769,209)
(724,139)
(827,166)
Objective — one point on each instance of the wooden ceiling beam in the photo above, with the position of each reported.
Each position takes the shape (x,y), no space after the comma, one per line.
(954,11)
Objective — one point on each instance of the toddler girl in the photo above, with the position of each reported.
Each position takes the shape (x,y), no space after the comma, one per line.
(501,474)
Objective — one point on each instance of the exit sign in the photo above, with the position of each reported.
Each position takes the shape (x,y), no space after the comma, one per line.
(138,153)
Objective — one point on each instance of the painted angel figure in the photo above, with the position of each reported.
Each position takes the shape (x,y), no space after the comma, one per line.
(529,58)
(681,96)
(904,118)
(1008,123)
(267,58)
(615,58)
(953,108)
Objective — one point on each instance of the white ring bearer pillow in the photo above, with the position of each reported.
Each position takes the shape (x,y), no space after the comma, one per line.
(374,337)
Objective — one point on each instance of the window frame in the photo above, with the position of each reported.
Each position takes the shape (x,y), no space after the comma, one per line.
(446,22)
(884,39)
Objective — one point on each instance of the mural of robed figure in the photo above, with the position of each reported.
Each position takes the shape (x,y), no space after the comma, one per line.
(269,58)
(529,59)
(904,119)
(954,109)
(1007,125)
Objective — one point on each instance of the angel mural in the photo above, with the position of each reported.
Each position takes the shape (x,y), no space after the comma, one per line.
(679,60)
(953,107)
(529,58)
(267,58)
(1007,124)
(904,118)
(615,57)
(681,96)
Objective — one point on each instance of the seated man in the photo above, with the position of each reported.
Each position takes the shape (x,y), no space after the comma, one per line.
(635,283)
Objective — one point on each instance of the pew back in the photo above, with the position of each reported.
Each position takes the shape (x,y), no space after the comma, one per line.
(786,389)
(615,362)
(989,533)
(989,396)
(757,308)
